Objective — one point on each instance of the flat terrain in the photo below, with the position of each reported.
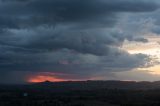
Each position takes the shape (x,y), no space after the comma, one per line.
(85,93)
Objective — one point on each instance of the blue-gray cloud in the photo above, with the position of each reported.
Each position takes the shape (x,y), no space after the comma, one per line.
(74,37)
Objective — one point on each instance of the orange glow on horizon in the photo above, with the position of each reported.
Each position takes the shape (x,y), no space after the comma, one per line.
(43,78)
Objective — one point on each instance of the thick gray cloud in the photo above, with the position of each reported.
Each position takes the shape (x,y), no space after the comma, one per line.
(73,37)
(88,13)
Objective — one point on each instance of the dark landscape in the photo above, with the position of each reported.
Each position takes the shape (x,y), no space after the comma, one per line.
(82,93)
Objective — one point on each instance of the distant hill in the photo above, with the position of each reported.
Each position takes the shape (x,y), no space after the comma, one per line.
(94,85)
(86,85)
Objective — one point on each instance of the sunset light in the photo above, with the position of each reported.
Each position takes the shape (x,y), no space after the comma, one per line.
(43,78)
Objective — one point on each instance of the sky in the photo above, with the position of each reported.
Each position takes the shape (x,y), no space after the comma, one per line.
(61,40)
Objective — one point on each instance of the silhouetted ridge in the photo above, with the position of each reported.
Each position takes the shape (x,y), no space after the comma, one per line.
(94,85)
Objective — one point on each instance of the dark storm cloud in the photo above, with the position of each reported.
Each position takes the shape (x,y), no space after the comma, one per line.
(88,13)
(73,36)
(97,42)
(65,61)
